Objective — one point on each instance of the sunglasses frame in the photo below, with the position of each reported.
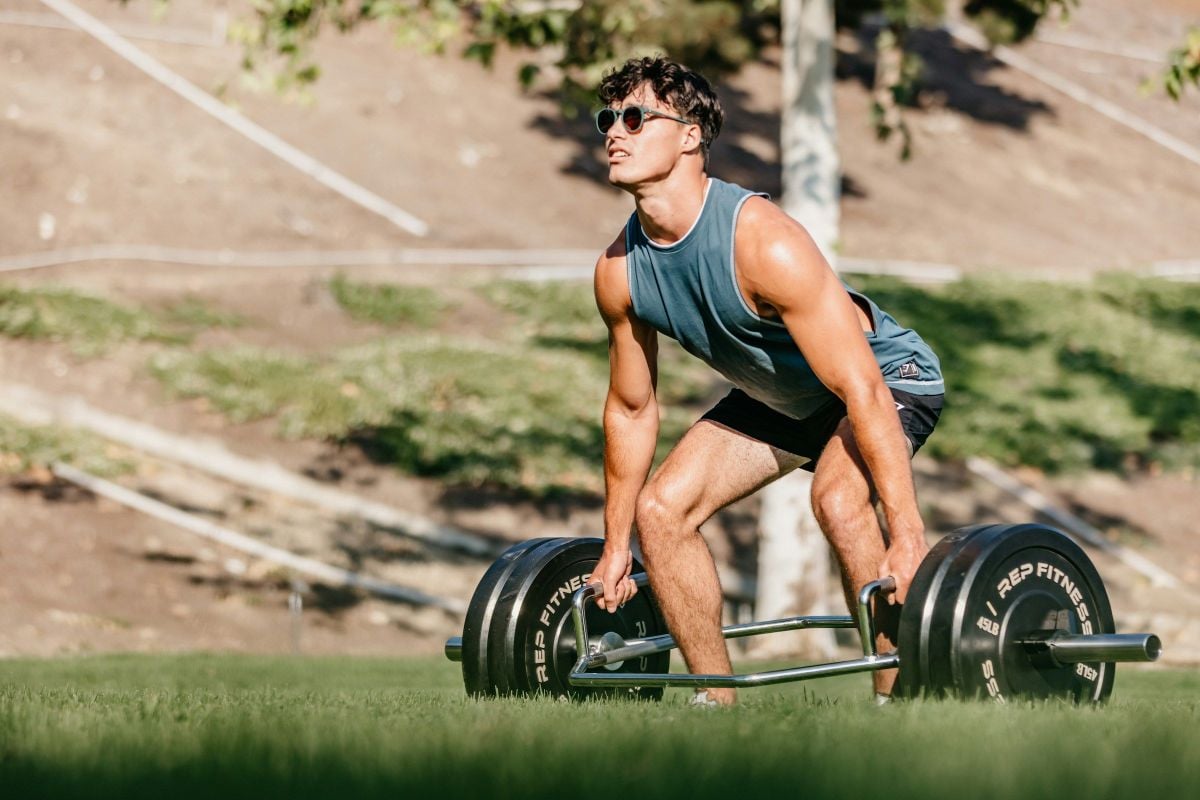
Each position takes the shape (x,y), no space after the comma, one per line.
(647,114)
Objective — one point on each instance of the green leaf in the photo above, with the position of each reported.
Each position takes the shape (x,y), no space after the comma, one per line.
(527,74)
(483,52)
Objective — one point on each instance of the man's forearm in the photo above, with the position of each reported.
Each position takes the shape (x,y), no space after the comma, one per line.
(880,439)
(629,442)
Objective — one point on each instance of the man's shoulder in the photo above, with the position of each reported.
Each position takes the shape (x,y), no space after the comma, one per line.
(611,281)
(771,244)
(615,253)
(761,221)
(757,209)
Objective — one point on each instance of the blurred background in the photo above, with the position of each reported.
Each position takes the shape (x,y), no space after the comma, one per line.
(329,295)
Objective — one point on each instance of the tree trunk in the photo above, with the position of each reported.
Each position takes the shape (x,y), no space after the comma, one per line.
(793,561)
(811,171)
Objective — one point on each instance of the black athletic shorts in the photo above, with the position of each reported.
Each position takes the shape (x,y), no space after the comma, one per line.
(807,437)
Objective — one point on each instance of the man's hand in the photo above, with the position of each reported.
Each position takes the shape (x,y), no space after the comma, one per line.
(901,562)
(612,571)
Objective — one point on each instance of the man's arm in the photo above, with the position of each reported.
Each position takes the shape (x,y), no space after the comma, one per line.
(784,272)
(630,421)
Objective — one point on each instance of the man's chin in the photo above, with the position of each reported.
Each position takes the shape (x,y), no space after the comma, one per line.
(618,178)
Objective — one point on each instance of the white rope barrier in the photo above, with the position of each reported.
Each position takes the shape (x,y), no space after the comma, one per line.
(568,259)
(1089,44)
(532,264)
(1076,92)
(252,131)
(209,530)
(152,33)
(39,408)
(1074,525)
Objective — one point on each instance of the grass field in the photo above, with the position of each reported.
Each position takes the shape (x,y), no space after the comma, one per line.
(223,726)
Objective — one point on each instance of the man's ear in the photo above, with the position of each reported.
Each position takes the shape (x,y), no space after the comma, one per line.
(692,138)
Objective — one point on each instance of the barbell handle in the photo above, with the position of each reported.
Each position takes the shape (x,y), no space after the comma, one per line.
(592,590)
(866,623)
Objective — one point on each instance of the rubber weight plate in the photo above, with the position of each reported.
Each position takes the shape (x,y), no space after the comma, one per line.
(988,588)
(480,613)
(535,648)
(1027,579)
(913,640)
(925,619)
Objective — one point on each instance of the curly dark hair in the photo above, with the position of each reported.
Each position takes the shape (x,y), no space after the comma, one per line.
(684,90)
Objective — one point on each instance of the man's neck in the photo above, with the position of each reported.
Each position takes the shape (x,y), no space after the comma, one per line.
(668,209)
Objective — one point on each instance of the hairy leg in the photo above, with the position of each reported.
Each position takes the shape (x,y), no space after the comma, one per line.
(709,468)
(843,500)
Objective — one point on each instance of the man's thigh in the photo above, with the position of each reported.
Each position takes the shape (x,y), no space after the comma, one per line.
(712,466)
(805,438)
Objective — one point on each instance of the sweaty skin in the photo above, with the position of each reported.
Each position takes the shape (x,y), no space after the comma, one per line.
(783,276)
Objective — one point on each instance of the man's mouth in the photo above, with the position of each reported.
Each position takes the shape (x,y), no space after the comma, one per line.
(617,154)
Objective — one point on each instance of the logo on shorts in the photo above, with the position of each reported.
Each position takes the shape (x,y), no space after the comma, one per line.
(909,370)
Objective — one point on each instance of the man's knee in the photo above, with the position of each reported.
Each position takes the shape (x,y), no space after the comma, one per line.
(838,506)
(660,517)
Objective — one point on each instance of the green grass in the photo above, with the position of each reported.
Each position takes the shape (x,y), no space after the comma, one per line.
(1058,376)
(193,314)
(91,323)
(1061,376)
(23,446)
(517,407)
(388,304)
(204,726)
(467,412)
(244,383)
(551,312)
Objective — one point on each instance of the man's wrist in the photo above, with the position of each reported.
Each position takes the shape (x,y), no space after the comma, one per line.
(907,534)
(612,547)
(618,533)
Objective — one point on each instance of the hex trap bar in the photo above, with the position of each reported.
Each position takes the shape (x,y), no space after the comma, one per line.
(611,651)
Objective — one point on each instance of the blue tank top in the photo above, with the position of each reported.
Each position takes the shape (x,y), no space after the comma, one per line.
(688,290)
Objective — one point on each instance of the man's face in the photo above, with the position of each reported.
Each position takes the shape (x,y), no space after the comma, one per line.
(650,154)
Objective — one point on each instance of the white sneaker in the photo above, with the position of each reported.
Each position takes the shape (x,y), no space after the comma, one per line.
(702,700)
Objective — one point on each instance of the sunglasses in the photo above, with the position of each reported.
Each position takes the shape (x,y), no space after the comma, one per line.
(632,117)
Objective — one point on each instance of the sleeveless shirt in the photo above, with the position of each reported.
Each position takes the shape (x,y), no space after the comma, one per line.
(688,290)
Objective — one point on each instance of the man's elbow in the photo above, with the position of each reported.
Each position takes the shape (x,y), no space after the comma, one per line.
(866,396)
(642,410)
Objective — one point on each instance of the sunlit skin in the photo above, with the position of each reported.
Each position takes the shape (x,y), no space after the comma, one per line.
(782,275)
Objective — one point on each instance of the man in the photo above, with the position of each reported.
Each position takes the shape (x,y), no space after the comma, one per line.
(824,380)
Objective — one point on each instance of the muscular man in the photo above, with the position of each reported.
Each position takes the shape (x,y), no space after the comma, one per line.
(824,380)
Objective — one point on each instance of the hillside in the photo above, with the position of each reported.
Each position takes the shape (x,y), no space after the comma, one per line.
(1007,172)
(1008,175)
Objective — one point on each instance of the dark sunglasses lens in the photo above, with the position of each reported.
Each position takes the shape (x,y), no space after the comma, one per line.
(605,118)
(632,119)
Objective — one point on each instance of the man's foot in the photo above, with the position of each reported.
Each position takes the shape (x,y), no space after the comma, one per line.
(882,699)
(713,698)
